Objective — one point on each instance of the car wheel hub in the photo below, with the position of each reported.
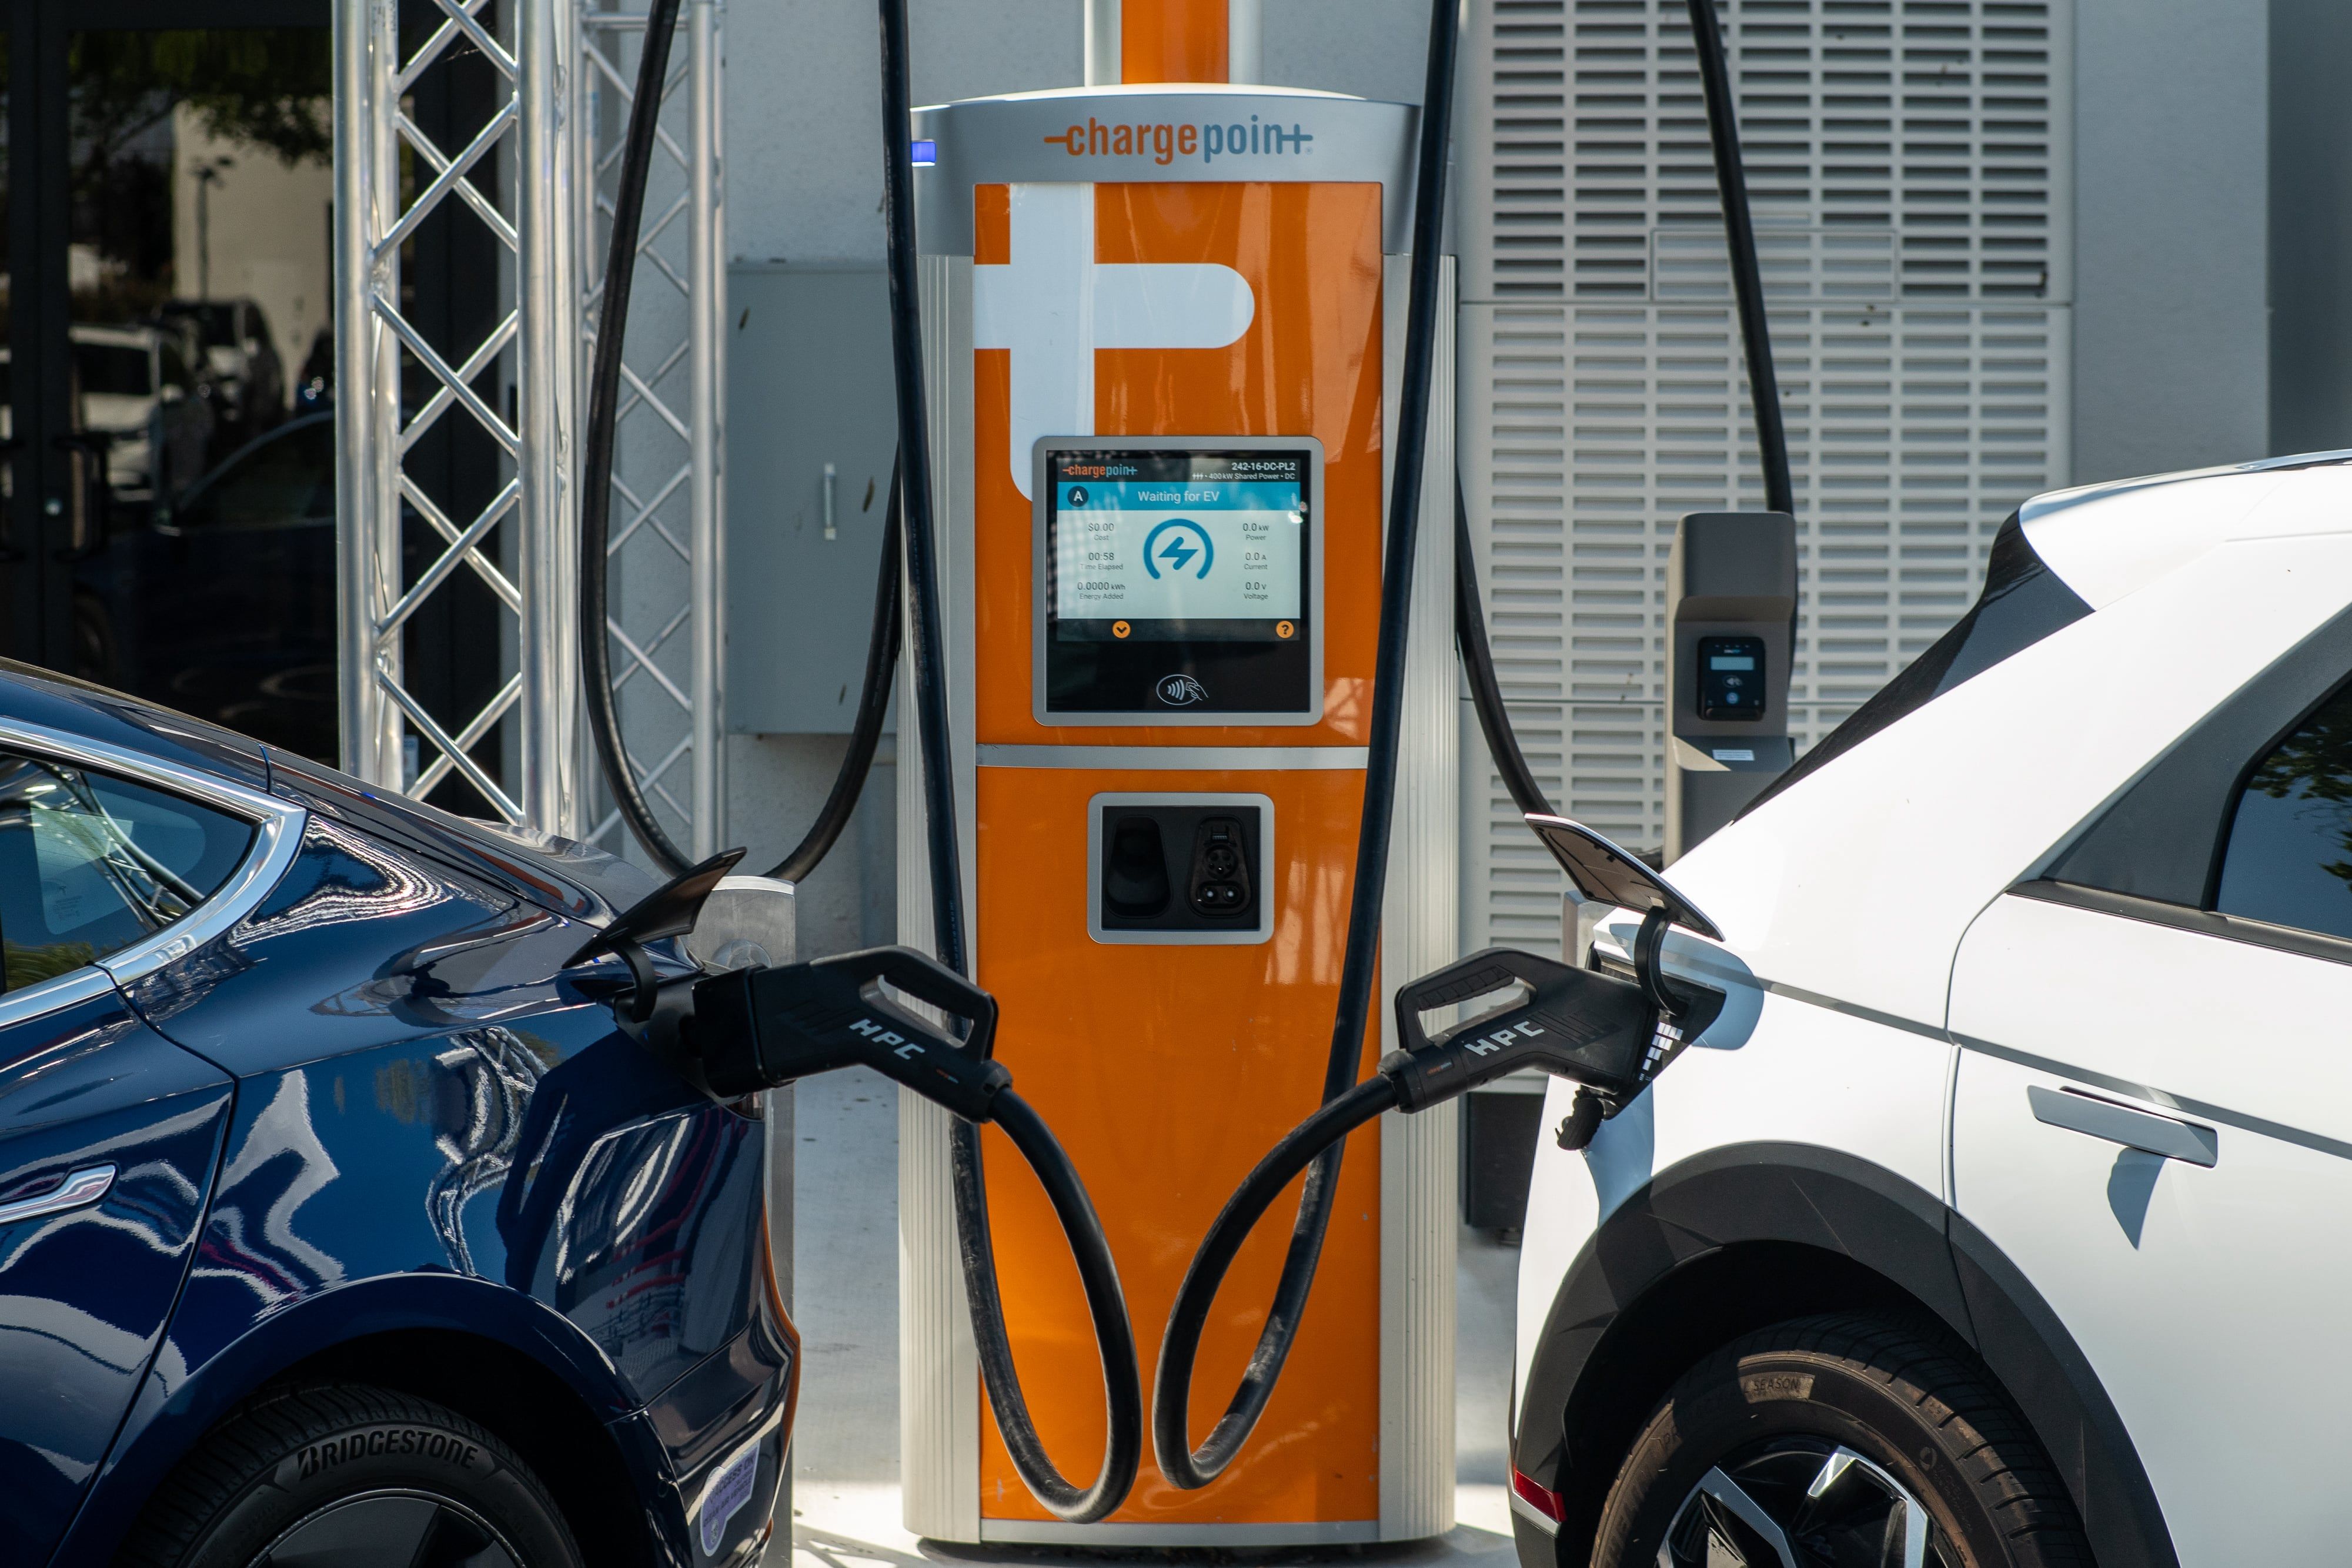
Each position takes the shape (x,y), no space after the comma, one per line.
(1803,1503)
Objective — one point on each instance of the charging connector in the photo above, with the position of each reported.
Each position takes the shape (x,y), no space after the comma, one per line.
(757,1028)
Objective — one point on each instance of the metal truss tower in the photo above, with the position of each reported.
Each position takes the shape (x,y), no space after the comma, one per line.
(534,173)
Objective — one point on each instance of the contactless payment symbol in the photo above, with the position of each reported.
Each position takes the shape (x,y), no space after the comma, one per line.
(1180,691)
(1176,544)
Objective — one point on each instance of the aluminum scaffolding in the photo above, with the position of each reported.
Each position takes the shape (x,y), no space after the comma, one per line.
(532,172)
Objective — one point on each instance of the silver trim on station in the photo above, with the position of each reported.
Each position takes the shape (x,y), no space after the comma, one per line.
(1256,932)
(1015,139)
(79,1191)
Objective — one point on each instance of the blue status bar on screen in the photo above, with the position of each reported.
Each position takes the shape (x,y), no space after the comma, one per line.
(1194,495)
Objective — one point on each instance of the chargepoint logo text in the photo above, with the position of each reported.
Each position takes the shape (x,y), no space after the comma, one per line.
(1163,144)
(900,1045)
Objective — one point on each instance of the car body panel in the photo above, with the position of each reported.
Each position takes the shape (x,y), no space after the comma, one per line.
(2208,1297)
(1923,824)
(85,1293)
(1769,1068)
(554,874)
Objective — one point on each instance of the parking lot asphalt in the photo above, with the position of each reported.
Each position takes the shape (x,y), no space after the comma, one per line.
(844,1494)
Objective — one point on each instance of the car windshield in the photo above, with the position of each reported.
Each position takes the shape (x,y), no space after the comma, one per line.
(287,476)
(112,369)
(215,324)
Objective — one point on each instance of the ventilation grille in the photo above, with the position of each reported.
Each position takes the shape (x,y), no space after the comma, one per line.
(1929,121)
(1902,162)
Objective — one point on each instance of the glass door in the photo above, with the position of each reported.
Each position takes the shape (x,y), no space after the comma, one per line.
(170,514)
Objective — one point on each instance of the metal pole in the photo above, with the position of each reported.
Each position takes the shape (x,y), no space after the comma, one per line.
(706,309)
(366,43)
(551,796)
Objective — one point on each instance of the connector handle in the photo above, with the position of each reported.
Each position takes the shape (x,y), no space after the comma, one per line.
(755,1028)
(1482,973)
(926,979)
(1572,1023)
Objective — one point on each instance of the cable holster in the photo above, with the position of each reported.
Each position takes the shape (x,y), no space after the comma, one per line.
(757,1028)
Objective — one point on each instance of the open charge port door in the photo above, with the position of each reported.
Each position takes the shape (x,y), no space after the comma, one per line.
(1179,868)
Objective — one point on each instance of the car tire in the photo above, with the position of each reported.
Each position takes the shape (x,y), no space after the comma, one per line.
(348,1473)
(1845,1433)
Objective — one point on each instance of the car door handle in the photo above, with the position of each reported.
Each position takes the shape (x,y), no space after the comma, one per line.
(2133,1128)
(80,1188)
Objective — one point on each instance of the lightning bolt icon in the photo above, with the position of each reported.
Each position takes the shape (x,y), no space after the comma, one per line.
(1178,553)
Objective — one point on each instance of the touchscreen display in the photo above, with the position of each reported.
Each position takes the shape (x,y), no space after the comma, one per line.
(1178,547)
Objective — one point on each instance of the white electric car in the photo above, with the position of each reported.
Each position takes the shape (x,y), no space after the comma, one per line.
(2003,1215)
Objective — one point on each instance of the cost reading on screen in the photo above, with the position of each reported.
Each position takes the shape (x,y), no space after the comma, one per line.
(1179,547)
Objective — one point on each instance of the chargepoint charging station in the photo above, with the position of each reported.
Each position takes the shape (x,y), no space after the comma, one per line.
(1162,336)
(1731,634)
(1144,766)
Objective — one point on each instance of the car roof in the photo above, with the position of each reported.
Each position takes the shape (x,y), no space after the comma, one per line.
(2110,540)
(124,336)
(569,878)
(37,697)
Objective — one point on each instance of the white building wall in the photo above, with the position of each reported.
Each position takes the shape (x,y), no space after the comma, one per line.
(2171,203)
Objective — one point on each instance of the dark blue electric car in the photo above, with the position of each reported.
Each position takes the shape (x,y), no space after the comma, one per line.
(340,1222)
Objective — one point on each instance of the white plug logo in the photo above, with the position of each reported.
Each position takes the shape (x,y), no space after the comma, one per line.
(873,1032)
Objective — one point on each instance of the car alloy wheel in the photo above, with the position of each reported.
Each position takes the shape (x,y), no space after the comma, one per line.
(1837,1441)
(391,1529)
(1800,1503)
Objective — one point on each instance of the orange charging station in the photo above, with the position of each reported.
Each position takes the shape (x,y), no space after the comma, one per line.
(1156,313)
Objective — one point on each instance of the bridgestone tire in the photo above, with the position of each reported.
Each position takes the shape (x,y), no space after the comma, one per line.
(308,1460)
(1906,1398)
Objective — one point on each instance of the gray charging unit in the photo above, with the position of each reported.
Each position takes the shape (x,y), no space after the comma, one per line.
(1732,636)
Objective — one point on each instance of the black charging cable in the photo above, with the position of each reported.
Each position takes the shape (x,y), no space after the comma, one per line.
(1123,1451)
(1747,275)
(1478,667)
(596,461)
(873,707)
(596,515)
(1184,1465)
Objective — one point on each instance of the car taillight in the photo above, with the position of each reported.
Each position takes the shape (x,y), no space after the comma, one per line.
(1542,1499)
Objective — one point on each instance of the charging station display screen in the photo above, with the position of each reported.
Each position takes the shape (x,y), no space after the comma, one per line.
(1178,547)
(1179,580)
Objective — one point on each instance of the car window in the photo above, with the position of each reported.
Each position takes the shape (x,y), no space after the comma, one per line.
(90,863)
(2288,858)
(287,476)
(112,369)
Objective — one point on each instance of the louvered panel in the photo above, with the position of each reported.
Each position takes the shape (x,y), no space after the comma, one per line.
(1906,166)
